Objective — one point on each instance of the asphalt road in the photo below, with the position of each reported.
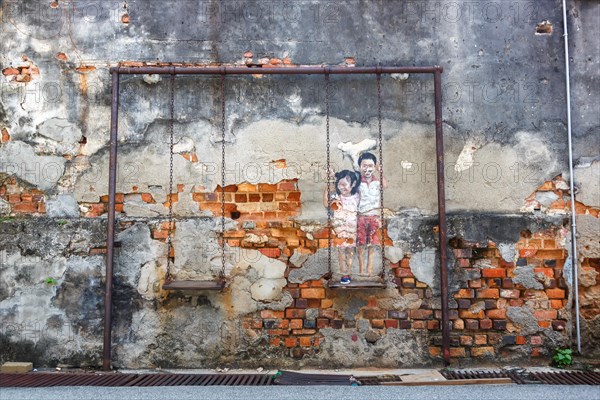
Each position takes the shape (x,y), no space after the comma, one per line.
(475,392)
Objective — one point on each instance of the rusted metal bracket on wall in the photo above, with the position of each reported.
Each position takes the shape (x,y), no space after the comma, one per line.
(436,71)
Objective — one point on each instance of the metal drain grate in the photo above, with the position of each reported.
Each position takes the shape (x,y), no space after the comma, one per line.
(567,378)
(41,379)
(378,380)
(302,379)
(524,377)
(47,379)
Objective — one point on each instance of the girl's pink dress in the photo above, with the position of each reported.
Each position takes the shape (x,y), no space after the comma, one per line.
(344,220)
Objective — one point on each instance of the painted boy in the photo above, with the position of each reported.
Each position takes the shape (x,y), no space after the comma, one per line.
(369,211)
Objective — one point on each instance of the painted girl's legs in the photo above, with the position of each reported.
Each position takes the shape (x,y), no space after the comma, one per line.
(342,260)
(349,259)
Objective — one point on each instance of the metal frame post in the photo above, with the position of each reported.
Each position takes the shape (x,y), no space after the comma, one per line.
(439,150)
(110,228)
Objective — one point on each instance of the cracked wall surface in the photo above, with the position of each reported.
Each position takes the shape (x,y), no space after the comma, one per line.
(506,179)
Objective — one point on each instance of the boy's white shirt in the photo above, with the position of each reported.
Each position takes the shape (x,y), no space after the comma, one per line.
(369,197)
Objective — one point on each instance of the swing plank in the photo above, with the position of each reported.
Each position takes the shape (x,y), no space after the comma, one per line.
(218,284)
(371,284)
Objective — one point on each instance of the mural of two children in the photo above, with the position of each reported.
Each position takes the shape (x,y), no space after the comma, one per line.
(355,206)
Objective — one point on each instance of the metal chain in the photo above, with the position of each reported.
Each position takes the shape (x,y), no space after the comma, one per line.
(329,211)
(171,143)
(380,139)
(222,175)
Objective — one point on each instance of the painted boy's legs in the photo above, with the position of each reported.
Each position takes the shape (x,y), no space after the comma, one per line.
(361,259)
(370,254)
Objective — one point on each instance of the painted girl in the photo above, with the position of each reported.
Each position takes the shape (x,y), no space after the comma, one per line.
(344,203)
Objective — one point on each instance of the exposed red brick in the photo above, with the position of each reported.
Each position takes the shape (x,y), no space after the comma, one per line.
(555,293)
(481,339)
(475,283)
(510,293)
(421,314)
(313,293)
(287,186)
(403,272)
(457,352)
(466,340)
(284,324)
(482,351)
(435,351)
(293,196)
(391,323)
(464,262)
(472,324)
(295,313)
(419,325)
(408,282)
(556,304)
(266,187)
(5,136)
(322,323)
(549,272)
(372,302)
(488,294)
(160,234)
(485,324)
(536,340)
(326,303)
(257,324)
(271,252)
(378,323)
(25,207)
(527,252)
(289,206)
(271,314)
(550,254)
(10,71)
(295,324)
(462,253)
(433,324)
(458,324)
(493,273)
(405,263)
(465,294)
(254,197)
(537,352)
(545,314)
(496,314)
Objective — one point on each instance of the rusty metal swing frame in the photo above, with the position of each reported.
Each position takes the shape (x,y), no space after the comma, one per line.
(115,72)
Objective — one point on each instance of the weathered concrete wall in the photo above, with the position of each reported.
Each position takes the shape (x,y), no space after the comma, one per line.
(506,181)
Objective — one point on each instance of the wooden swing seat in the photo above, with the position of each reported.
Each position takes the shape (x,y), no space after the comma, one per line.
(370,284)
(217,284)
